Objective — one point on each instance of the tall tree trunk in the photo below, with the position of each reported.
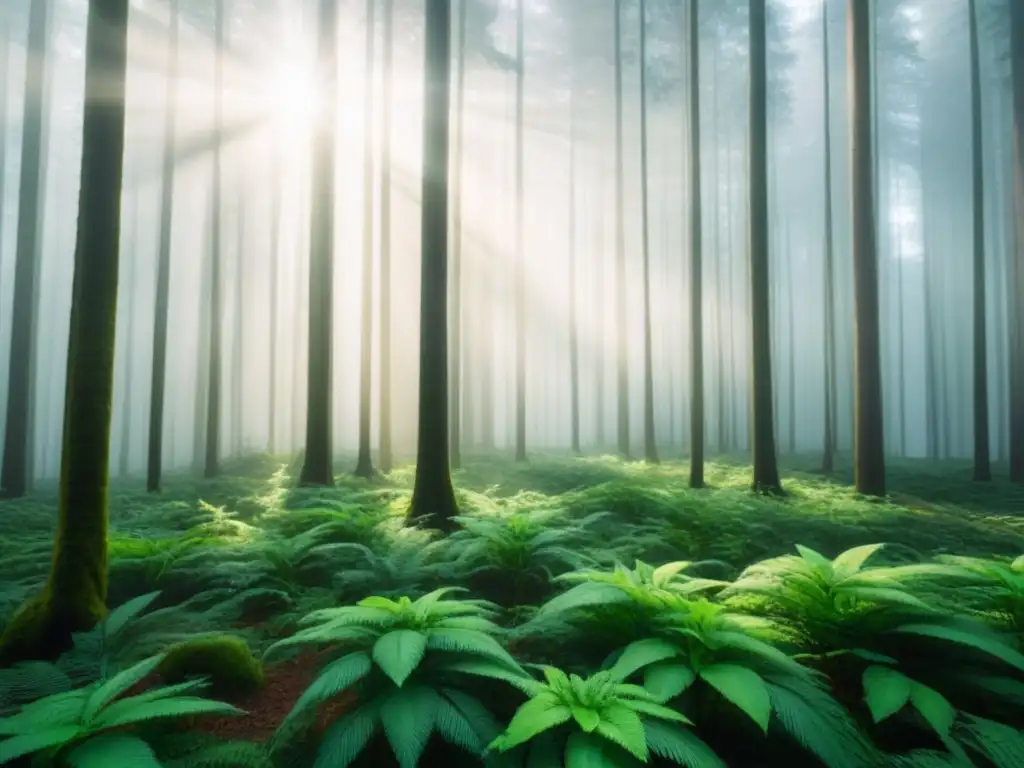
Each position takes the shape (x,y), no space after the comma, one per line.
(766,471)
(158,381)
(124,453)
(203,339)
(275,276)
(1017,269)
(455,353)
(650,442)
(75,593)
(574,332)
(982,462)
(238,347)
(14,473)
(386,457)
(364,461)
(829,441)
(211,463)
(317,468)
(5,65)
(520,257)
(869,462)
(433,498)
(696,260)
(622,337)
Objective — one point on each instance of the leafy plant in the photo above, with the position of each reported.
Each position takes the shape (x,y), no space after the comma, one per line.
(411,665)
(80,724)
(600,721)
(996,589)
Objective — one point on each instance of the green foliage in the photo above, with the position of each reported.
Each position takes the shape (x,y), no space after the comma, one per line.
(87,724)
(225,661)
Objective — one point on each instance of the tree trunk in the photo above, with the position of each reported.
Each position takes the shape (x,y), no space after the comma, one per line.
(650,442)
(574,332)
(75,594)
(433,498)
(14,474)
(869,461)
(982,463)
(520,265)
(386,458)
(1017,268)
(622,338)
(766,472)
(238,347)
(124,453)
(829,442)
(696,260)
(364,461)
(455,353)
(158,382)
(275,270)
(317,468)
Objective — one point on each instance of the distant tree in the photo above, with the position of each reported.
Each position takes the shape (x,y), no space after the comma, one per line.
(520,263)
(766,471)
(317,468)
(650,443)
(1017,330)
(455,353)
(696,256)
(829,447)
(433,498)
(622,349)
(869,459)
(386,457)
(74,597)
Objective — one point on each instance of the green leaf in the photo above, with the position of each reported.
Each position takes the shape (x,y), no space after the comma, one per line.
(468,641)
(886,691)
(680,745)
(537,715)
(744,688)
(491,669)
(398,653)
(849,562)
(408,717)
(584,595)
(28,743)
(347,737)
(585,750)
(118,684)
(982,642)
(818,560)
(934,708)
(659,711)
(587,718)
(335,677)
(120,616)
(464,721)
(113,749)
(181,706)
(642,653)
(667,680)
(663,574)
(623,726)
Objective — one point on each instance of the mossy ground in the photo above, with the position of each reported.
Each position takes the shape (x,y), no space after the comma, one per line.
(250,553)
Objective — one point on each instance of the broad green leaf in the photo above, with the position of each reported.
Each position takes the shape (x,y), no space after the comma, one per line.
(886,691)
(468,641)
(492,669)
(181,706)
(934,708)
(659,711)
(465,721)
(29,743)
(334,678)
(120,616)
(537,715)
(1018,565)
(667,680)
(849,562)
(743,687)
(680,745)
(398,653)
(979,641)
(621,725)
(587,718)
(642,653)
(347,737)
(408,718)
(663,574)
(584,595)
(118,684)
(818,560)
(113,749)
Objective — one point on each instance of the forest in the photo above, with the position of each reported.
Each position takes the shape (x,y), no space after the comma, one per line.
(540,383)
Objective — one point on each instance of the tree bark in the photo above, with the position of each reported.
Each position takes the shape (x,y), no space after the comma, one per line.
(622,337)
(1017,268)
(650,442)
(455,353)
(386,457)
(520,264)
(696,260)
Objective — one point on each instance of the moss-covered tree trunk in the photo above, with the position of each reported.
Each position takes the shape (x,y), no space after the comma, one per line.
(158,382)
(317,468)
(14,473)
(386,458)
(696,258)
(869,460)
(364,462)
(75,594)
(433,498)
(766,470)
(455,357)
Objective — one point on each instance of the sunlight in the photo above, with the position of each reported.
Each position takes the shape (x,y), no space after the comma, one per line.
(293,95)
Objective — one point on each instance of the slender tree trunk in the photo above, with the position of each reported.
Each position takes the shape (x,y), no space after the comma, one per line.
(574,333)
(766,471)
(5,65)
(317,468)
(869,448)
(203,339)
(158,381)
(15,471)
(829,446)
(238,347)
(124,454)
(275,276)
(982,461)
(211,465)
(455,353)
(75,593)
(696,260)
(520,264)
(1017,268)
(386,457)
(433,498)
(622,337)
(364,461)
(650,442)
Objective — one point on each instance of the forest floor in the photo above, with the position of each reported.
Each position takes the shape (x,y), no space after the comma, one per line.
(248,553)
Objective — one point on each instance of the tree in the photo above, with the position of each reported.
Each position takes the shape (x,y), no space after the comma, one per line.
(869,458)
(455,353)
(696,258)
(766,471)
(574,331)
(1017,293)
(74,597)
(14,474)
(364,461)
(982,466)
(317,469)
(385,459)
(433,497)
(829,447)
(520,266)
(650,445)
(622,358)
(158,382)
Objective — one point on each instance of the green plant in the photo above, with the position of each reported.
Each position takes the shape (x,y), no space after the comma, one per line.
(599,721)
(224,660)
(411,665)
(996,589)
(80,724)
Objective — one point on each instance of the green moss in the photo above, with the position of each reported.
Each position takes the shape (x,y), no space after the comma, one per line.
(41,629)
(225,659)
